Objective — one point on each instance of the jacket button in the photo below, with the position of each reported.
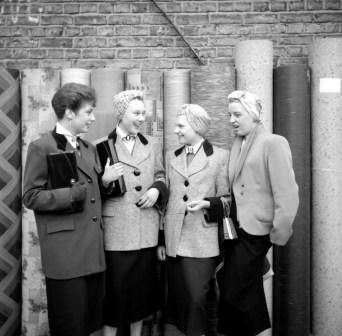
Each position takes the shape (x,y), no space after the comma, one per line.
(241,193)
(186,183)
(94,218)
(92,200)
(136,172)
(89,181)
(138,188)
(242,185)
(185,198)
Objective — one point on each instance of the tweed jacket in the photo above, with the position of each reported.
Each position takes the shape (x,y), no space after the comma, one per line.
(128,227)
(264,186)
(189,234)
(71,242)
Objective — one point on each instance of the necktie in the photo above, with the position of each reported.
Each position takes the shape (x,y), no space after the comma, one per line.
(189,150)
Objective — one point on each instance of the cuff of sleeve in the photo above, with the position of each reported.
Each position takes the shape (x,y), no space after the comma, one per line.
(163,193)
(215,211)
(161,238)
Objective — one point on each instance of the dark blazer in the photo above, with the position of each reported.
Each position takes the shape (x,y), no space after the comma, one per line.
(264,185)
(71,242)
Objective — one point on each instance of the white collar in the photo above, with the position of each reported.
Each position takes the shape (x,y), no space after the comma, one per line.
(62,130)
(197,146)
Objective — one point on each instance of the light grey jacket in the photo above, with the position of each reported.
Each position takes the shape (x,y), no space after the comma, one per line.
(127,227)
(189,234)
(264,185)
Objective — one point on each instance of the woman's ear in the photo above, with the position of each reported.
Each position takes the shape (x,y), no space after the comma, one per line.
(69,114)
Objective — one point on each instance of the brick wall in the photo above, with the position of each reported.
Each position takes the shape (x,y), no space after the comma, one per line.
(133,33)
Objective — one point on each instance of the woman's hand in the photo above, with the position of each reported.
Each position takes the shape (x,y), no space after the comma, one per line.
(161,253)
(112,172)
(197,205)
(148,199)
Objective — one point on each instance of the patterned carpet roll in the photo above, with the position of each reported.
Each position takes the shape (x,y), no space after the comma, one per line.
(10,203)
(176,93)
(210,87)
(37,89)
(150,82)
(75,75)
(107,82)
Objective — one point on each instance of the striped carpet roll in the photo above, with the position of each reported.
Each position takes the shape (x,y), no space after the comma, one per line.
(254,70)
(10,203)
(210,87)
(75,75)
(291,300)
(326,68)
(107,82)
(37,89)
(176,93)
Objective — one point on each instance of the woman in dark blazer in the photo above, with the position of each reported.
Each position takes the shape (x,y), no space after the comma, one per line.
(196,176)
(264,204)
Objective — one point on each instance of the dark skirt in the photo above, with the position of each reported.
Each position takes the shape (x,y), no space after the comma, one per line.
(242,306)
(75,306)
(132,289)
(188,284)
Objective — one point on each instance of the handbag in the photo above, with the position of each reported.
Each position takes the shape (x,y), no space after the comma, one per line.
(229,231)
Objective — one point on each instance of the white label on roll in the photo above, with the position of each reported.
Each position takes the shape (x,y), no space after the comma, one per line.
(330,85)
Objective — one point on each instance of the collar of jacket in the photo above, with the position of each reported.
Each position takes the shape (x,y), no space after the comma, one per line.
(207,147)
(62,141)
(113,135)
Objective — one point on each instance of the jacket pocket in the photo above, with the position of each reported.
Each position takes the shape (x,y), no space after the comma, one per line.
(59,226)
(108,211)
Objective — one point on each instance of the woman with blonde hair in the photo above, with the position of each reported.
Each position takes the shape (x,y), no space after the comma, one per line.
(264,204)
(196,177)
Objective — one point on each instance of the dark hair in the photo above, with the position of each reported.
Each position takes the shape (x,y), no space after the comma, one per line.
(72,96)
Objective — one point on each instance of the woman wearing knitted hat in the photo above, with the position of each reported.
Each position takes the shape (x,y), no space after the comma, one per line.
(197,177)
(264,204)
(131,219)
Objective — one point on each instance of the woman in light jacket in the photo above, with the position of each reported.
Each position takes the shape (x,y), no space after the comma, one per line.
(196,177)
(131,220)
(264,204)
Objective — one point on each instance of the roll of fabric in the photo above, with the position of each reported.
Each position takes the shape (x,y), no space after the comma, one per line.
(254,73)
(75,75)
(107,82)
(150,83)
(37,89)
(210,87)
(176,93)
(291,291)
(326,68)
(254,69)
(10,203)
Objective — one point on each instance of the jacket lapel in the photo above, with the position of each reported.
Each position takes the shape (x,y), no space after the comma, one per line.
(84,162)
(179,163)
(234,157)
(243,155)
(140,151)
(198,163)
